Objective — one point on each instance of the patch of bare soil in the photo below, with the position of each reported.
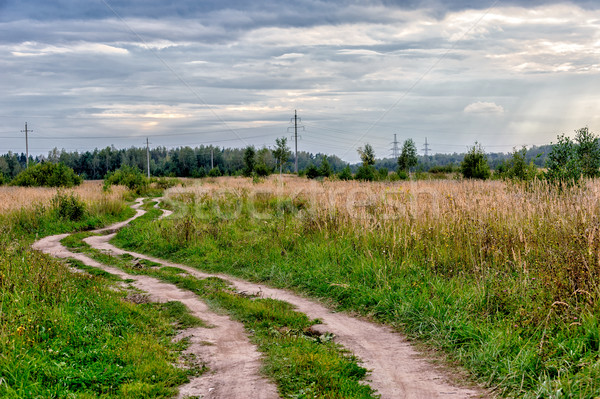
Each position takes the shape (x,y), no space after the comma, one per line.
(397,369)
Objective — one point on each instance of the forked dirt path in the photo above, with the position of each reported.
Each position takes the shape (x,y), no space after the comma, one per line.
(397,370)
(233,362)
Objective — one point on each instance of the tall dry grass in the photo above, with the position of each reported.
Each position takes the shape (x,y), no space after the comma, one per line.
(26,198)
(485,229)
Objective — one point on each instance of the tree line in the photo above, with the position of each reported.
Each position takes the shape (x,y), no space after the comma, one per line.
(216,161)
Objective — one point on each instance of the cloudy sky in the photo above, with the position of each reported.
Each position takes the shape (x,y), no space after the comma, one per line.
(93,73)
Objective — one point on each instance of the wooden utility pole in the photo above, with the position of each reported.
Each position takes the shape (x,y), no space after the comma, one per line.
(26,144)
(148,157)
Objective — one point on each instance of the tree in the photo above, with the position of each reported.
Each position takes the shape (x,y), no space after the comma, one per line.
(367,155)
(475,164)
(588,152)
(282,152)
(408,157)
(517,168)
(563,163)
(345,174)
(325,169)
(249,161)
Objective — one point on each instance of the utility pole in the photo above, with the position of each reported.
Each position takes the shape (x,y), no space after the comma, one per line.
(295,119)
(426,147)
(26,144)
(395,150)
(148,157)
(212,158)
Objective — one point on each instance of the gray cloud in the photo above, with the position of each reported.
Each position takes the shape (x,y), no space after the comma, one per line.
(356,71)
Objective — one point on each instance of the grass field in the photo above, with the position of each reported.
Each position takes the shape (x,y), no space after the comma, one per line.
(65,334)
(503,278)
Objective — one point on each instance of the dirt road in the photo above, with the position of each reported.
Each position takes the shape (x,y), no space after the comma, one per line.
(398,371)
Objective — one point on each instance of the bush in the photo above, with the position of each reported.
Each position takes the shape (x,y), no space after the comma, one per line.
(3,179)
(563,164)
(47,175)
(475,164)
(325,169)
(215,172)
(262,170)
(516,168)
(128,176)
(345,174)
(366,172)
(68,207)
(312,172)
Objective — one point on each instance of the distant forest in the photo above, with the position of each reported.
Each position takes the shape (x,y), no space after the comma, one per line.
(197,162)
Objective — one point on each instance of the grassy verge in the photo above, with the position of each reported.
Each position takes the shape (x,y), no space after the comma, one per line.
(513,301)
(64,334)
(303,363)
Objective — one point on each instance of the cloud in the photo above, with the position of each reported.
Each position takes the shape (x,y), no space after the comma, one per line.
(481,107)
(356,71)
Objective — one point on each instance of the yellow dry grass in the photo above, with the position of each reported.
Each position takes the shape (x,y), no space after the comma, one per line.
(15,198)
(476,227)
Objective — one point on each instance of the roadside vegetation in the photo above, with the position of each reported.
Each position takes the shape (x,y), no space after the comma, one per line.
(302,362)
(502,277)
(65,334)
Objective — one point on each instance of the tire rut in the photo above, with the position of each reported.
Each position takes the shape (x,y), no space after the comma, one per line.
(233,362)
(397,369)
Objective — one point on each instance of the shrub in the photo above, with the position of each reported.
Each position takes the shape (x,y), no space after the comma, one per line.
(262,170)
(312,172)
(68,207)
(475,164)
(383,173)
(215,172)
(563,164)
(128,176)
(325,169)
(516,168)
(588,152)
(365,172)
(402,175)
(47,175)
(345,174)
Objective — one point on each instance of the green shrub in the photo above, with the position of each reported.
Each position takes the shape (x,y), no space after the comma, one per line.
(366,172)
(402,175)
(262,170)
(69,207)
(128,176)
(215,172)
(47,175)
(475,164)
(345,174)
(312,172)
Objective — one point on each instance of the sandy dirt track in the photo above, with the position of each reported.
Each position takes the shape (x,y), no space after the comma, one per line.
(233,362)
(398,371)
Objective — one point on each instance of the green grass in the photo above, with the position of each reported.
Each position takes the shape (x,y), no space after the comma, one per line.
(303,363)
(65,334)
(501,324)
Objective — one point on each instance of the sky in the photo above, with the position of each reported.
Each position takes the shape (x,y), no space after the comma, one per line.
(88,74)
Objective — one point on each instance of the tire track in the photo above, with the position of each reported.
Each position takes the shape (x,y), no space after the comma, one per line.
(397,369)
(233,362)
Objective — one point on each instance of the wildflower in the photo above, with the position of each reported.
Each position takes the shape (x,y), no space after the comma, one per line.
(20,330)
